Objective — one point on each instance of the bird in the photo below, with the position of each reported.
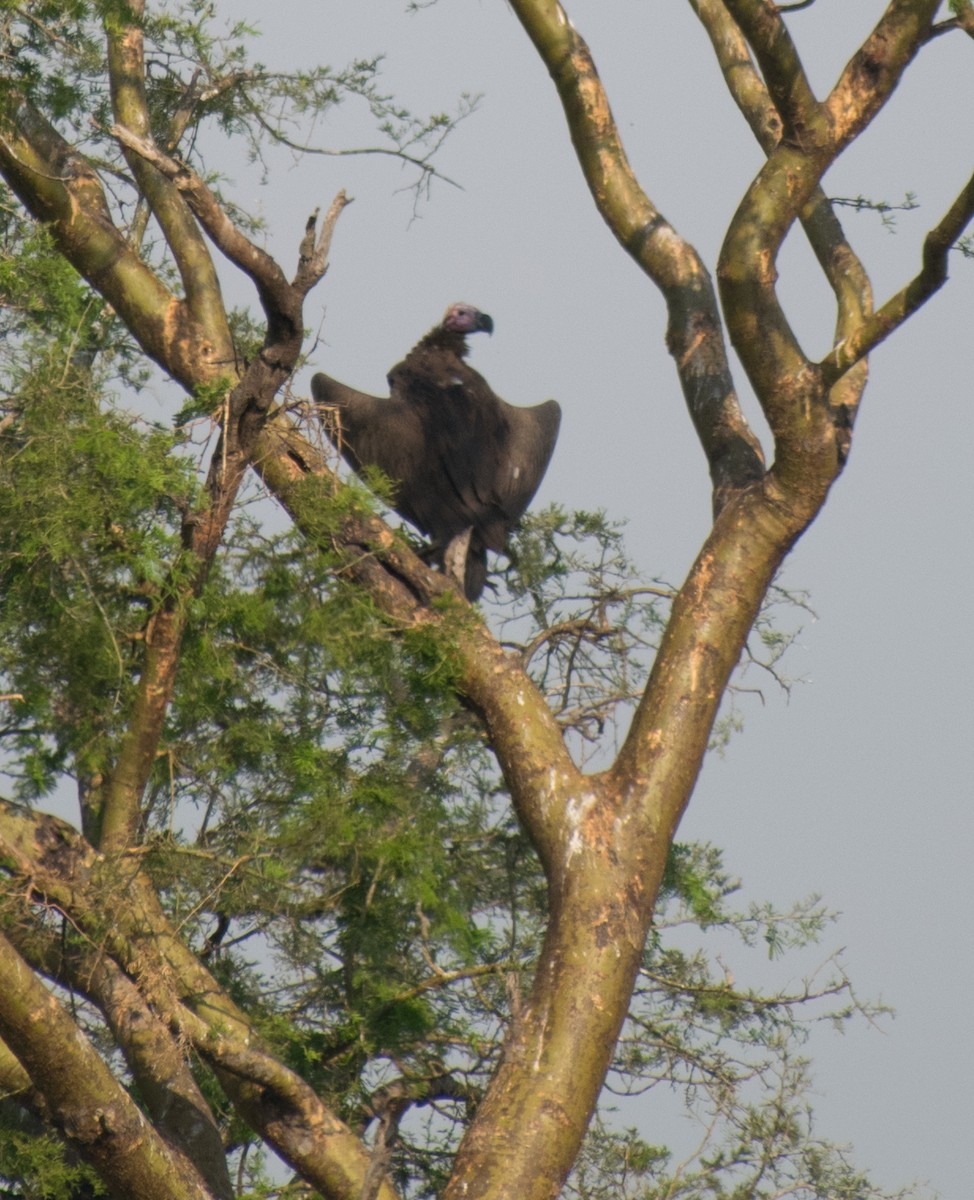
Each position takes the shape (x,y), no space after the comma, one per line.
(463,463)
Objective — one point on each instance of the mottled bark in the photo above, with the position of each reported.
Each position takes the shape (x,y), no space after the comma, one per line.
(158,1060)
(694,333)
(53,865)
(85,1101)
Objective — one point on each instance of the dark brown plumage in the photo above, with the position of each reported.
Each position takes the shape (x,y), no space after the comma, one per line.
(465,464)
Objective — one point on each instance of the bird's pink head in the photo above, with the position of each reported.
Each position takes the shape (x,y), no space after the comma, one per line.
(464,318)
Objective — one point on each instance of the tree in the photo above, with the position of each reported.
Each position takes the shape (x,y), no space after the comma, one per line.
(173,658)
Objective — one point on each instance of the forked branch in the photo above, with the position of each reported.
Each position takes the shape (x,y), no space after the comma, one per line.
(83,1097)
(840,264)
(694,336)
(926,283)
(126,67)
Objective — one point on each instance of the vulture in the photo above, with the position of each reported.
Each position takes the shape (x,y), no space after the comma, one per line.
(464,464)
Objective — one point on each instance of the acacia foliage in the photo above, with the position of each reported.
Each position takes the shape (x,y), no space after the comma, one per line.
(340,889)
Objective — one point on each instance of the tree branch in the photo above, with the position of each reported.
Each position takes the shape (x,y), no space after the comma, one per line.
(126,67)
(86,1102)
(313,255)
(840,264)
(59,188)
(928,281)
(276,294)
(790,387)
(156,1059)
(116,805)
(873,73)
(57,866)
(788,86)
(694,335)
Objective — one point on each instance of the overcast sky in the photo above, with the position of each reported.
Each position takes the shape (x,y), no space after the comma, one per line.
(858,787)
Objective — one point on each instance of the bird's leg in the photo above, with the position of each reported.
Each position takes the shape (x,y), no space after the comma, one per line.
(455,557)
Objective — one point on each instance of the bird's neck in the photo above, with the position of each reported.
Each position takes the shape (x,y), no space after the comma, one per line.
(449,340)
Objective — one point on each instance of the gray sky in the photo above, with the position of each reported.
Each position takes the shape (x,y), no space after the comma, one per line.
(859,787)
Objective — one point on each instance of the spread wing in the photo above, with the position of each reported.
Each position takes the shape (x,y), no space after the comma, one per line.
(434,446)
(373,432)
(532,433)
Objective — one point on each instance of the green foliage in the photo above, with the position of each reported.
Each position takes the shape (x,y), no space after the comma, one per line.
(37,286)
(54,55)
(207,400)
(35,1166)
(90,504)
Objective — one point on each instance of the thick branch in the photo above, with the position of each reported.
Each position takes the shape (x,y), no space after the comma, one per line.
(55,864)
(709,623)
(876,69)
(86,1102)
(694,336)
(126,66)
(118,805)
(59,188)
(14,1081)
(157,1059)
(784,75)
(210,213)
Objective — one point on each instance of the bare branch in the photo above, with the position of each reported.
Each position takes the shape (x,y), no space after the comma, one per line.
(789,385)
(210,213)
(964,20)
(787,84)
(694,335)
(931,277)
(126,65)
(874,71)
(313,256)
(841,266)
